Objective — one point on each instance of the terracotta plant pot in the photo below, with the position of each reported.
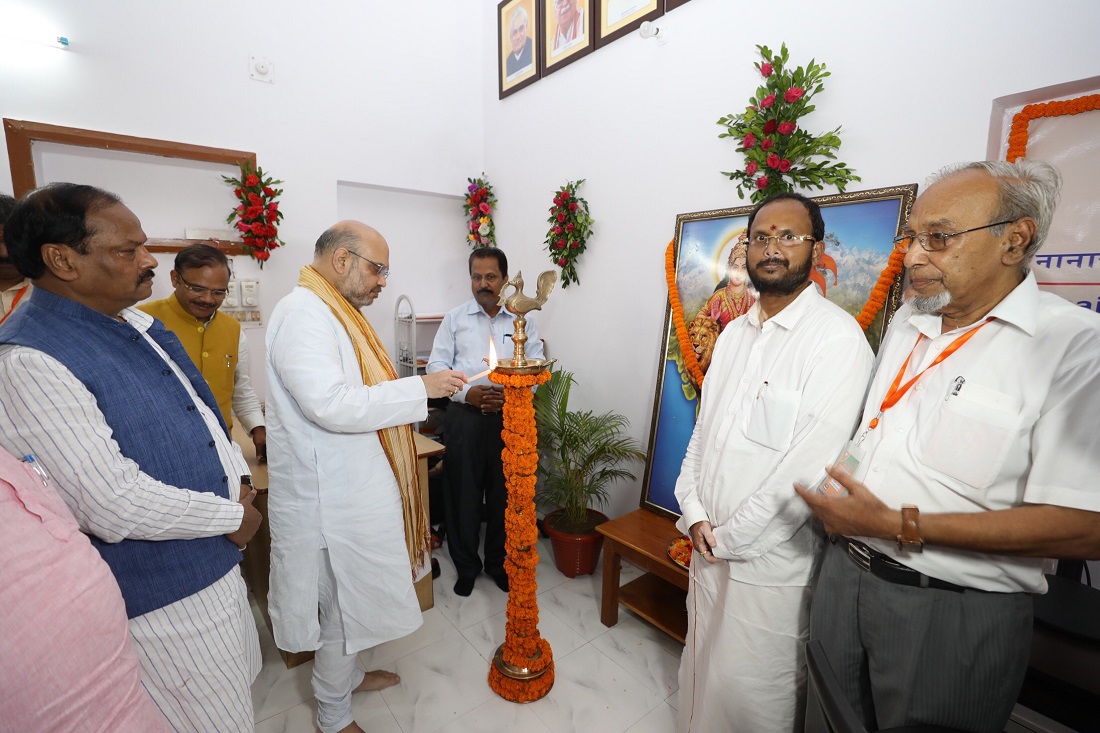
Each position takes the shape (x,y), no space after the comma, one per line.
(575,554)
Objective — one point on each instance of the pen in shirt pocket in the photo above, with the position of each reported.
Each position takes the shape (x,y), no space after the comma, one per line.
(37,468)
(761,390)
(956,387)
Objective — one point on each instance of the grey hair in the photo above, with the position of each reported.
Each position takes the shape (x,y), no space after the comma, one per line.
(334,238)
(521,12)
(1026,188)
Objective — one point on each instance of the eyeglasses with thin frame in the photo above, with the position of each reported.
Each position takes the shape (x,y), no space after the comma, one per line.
(218,293)
(936,241)
(382,270)
(784,240)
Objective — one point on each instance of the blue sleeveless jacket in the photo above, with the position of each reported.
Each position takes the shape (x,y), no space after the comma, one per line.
(155,423)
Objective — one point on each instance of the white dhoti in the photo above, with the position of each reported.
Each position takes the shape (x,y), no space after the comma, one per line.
(744,666)
(199,657)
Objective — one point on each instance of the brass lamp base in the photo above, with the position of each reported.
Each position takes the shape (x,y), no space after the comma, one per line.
(533,366)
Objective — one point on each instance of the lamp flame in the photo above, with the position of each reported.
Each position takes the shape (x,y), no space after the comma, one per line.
(492,354)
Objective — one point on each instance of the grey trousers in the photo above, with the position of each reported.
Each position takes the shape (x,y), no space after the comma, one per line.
(912,656)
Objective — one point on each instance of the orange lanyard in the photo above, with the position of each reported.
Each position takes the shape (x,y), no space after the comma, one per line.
(896,392)
(14,302)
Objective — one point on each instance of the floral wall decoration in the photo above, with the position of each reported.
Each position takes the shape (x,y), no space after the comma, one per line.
(258,213)
(570,229)
(480,200)
(780,155)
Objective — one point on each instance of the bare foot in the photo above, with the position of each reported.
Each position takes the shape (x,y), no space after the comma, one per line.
(379,679)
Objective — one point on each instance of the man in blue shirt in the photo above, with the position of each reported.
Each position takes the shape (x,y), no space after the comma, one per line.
(472,466)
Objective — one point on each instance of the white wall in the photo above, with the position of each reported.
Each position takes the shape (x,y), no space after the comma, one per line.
(911,83)
(371,98)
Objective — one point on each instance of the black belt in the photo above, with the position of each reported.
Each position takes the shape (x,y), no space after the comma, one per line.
(890,570)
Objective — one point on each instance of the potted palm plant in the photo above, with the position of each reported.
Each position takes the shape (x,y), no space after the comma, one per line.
(581,455)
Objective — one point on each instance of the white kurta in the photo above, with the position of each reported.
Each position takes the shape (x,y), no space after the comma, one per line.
(779,402)
(331,484)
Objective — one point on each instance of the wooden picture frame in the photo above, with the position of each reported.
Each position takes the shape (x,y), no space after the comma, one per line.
(563,46)
(859,232)
(516,71)
(22,134)
(673,4)
(616,18)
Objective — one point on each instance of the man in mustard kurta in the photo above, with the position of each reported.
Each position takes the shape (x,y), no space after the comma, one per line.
(213,340)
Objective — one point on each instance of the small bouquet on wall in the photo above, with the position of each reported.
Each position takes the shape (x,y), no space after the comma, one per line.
(258,213)
(778,152)
(570,228)
(480,200)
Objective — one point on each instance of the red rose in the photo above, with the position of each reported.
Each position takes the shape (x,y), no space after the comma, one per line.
(557,201)
(561,216)
(272,216)
(562,261)
(768,144)
(253,212)
(273,206)
(767,101)
(257,229)
(557,230)
(762,182)
(484,207)
(560,244)
(766,69)
(269,191)
(793,94)
(749,141)
(575,245)
(569,227)
(572,207)
(251,180)
(773,161)
(249,241)
(238,192)
(243,227)
(769,127)
(483,192)
(750,169)
(784,165)
(262,254)
(786,128)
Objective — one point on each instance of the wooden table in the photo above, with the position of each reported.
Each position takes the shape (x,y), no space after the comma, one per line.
(659,596)
(257,557)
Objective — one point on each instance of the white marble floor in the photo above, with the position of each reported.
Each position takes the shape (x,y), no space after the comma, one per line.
(611,680)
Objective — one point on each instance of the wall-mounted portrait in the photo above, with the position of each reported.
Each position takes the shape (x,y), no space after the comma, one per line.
(567,32)
(714,288)
(616,18)
(518,45)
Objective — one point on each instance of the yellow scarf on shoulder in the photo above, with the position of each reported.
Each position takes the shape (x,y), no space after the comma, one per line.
(397,441)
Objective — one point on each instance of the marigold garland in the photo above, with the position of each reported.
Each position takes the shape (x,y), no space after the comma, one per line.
(1018,134)
(877,299)
(524,648)
(686,349)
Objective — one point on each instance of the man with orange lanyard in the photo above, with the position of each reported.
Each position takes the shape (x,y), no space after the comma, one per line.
(14,288)
(975,460)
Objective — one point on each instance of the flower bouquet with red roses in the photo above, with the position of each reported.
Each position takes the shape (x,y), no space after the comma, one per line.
(480,199)
(778,152)
(570,228)
(258,214)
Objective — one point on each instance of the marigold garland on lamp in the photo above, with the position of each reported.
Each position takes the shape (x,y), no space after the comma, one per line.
(522,669)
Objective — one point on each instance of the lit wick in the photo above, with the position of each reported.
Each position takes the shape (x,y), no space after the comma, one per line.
(491,360)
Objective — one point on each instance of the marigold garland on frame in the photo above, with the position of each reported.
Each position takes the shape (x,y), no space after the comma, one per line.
(523,647)
(1018,135)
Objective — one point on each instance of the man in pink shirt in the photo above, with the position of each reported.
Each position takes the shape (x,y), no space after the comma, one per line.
(68,664)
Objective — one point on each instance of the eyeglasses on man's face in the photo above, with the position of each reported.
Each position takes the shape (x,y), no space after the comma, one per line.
(936,241)
(784,240)
(217,293)
(382,271)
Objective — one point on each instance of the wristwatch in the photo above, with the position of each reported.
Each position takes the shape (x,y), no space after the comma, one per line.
(909,540)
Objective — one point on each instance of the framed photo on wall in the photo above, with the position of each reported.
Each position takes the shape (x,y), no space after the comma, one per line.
(518,45)
(567,33)
(616,18)
(714,288)
(673,4)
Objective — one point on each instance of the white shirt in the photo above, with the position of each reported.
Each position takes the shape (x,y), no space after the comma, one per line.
(246,405)
(8,296)
(1021,430)
(46,411)
(778,404)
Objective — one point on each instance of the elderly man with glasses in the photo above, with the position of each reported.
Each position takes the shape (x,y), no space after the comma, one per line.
(214,341)
(978,458)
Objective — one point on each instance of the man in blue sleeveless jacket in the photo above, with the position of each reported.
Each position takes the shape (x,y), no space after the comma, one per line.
(113,409)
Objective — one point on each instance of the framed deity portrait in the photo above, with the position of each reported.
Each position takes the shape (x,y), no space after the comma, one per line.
(714,288)
(616,18)
(567,32)
(519,45)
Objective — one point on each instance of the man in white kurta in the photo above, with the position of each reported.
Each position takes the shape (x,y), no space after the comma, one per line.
(336,512)
(781,397)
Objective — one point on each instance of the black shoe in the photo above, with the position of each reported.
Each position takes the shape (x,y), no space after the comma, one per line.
(464,586)
(501,579)
(435,569)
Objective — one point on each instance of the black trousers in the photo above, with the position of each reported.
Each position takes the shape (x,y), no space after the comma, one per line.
(473,473)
